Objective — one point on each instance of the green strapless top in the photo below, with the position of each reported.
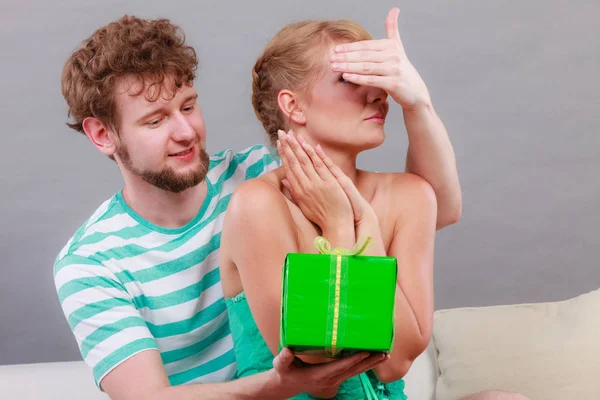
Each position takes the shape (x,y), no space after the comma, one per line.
(253,356)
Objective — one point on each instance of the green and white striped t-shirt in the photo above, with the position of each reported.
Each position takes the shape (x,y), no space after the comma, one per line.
(126,285)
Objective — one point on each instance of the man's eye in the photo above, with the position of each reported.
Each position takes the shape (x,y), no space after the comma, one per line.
(154,122)
(188,108)
(342,80)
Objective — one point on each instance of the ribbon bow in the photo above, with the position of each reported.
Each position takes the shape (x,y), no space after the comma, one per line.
(324,247)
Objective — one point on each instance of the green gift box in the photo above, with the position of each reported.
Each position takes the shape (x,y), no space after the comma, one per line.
(334,305)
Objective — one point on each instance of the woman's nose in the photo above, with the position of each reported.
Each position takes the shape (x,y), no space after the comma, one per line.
(375,95)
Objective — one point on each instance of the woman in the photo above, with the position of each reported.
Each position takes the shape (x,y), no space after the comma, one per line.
(329,82)
(295,87)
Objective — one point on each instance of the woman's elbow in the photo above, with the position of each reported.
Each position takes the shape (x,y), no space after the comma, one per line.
(397,367)
(450,216)
(392,370)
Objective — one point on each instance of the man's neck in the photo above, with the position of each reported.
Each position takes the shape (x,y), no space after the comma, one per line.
(163,208)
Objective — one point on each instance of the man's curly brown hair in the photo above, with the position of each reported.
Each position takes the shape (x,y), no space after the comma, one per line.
(151,51)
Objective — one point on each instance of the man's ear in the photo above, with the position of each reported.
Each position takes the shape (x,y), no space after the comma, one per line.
(290,106)
(103,138)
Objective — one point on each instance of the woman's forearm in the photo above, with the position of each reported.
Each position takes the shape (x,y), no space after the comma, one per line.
(408,333)
(431,156)
(340,234)
(369,227)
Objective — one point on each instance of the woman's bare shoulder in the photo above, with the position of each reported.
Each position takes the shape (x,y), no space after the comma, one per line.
(257,197)
(400,186)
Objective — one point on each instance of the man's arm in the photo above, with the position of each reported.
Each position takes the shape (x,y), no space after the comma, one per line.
(115,341)
(118,346)
(431,156)
(143,377)
(384,64)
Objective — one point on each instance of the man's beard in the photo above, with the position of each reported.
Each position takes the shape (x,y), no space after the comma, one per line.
(168,179)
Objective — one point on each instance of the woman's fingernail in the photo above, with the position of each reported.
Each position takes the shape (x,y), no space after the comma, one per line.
(278,143)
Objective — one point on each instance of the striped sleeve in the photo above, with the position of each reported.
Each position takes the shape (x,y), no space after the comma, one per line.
(106,324)
(258,160)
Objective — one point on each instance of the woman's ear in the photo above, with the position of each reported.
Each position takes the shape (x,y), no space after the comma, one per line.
(290,106)
(101,136)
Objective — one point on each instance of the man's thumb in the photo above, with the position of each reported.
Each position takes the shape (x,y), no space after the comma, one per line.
(283,360)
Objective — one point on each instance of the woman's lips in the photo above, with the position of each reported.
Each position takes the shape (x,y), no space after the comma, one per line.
(377,117)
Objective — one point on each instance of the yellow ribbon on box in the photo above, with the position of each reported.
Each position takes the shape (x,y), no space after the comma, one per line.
(324,247)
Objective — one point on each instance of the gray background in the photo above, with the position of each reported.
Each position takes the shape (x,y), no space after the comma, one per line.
(514,81)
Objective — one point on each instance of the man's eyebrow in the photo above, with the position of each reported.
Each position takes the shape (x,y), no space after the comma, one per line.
(191,97)
(160,109)
(156,110)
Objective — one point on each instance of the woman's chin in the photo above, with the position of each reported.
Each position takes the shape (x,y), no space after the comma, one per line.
(374,140)
(361,142)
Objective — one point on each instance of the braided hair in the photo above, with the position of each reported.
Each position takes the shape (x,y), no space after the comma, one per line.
(293,60)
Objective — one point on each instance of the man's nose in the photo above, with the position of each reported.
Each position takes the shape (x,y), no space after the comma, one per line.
(182,130)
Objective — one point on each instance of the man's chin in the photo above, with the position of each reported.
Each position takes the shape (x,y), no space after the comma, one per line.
(170,180)
(174,182)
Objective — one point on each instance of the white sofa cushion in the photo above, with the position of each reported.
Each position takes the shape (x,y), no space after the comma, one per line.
(544,350)
(73,380)
(49,381)
(421,378)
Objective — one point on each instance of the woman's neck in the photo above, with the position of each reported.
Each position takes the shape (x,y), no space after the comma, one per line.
(344,158)
(345,161)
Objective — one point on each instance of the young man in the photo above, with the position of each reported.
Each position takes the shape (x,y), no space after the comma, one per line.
(139,281)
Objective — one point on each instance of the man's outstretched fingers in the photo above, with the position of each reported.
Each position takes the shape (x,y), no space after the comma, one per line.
(365,365)
(338,367)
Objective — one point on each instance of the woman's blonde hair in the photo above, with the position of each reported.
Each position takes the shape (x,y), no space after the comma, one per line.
(292,60)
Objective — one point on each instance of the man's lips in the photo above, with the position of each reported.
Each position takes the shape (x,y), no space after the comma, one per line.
(182,153)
